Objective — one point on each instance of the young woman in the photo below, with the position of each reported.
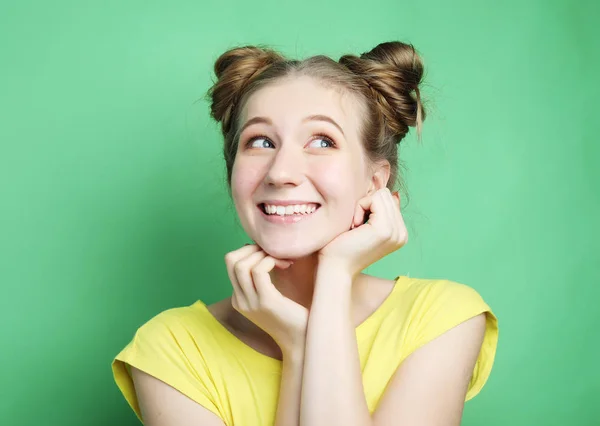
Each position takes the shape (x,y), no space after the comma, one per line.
(306,338)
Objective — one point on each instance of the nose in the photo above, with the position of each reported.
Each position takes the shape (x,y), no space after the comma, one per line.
(286,168)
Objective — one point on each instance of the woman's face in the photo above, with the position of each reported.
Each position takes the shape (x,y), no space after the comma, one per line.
(300,167)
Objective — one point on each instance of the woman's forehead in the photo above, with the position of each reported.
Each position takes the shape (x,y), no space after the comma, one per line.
(293,99)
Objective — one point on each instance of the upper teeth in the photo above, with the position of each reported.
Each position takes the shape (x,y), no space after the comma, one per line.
(290,209)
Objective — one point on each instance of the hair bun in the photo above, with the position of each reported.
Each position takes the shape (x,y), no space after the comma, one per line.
(393,71)
(234,69)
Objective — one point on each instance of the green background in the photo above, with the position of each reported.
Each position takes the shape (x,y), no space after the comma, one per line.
(114,206)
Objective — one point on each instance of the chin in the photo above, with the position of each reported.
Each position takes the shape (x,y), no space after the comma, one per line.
(285,250)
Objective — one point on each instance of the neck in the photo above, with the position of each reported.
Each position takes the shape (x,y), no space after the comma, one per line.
(298,281)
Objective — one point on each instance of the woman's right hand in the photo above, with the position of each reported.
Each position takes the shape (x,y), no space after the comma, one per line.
(255,297)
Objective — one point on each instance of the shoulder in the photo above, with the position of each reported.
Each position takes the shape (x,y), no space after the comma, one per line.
(421,300)
(181,315)
(166,326)
(179,335)
(174,321)
(435,287)
(176,347)
(433,298)
(442,303)
(158,403)
(443,310)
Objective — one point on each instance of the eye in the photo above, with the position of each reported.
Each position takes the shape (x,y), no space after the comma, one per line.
(321,142)
(260,142)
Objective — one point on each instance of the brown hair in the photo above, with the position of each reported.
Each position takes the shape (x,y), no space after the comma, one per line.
(386,81)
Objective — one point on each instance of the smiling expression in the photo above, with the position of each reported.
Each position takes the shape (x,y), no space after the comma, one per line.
(300,167)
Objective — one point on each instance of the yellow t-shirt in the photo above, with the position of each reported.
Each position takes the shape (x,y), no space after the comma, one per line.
(188,349)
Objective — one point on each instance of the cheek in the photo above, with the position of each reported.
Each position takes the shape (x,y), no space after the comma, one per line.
(340,185)
(244,180)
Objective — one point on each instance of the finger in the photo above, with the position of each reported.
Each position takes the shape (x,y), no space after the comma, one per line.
(251,248)
(234,301)
(402,233)
(393,215)
(402,227)
(262,279)
(242,271)
(282,263)
(380,216)
(388,200)
(237,255)
(396,196)
(360,212)
(358,216)
(231,259)
(390,208)
(375,206)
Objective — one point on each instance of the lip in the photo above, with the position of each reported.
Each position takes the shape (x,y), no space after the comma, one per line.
(286,202)
(286,220)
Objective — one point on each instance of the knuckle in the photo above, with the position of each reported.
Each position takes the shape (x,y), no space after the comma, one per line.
(257,269)
(239,267)
(230,258)
(262,266)
(255,272)
(384,232)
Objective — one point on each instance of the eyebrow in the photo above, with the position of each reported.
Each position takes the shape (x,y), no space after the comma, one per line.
(316,117)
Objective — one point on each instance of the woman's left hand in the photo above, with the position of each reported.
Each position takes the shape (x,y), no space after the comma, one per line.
(364,244)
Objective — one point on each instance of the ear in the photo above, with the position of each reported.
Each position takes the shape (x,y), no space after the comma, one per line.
(379,177)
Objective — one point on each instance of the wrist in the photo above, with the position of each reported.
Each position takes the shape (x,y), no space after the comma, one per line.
(337,266)
(294,354)
(335,270)
(333,286)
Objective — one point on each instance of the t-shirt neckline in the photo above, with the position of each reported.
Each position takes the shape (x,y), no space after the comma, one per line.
(271,362)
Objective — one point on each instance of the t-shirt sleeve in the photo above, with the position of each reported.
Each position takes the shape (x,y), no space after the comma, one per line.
(446,304)
(166,350)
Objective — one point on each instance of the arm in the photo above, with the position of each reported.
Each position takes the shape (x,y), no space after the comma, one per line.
(284,320)
(428,389)
(430,386)
(161,405)
(332,391)
(288,406)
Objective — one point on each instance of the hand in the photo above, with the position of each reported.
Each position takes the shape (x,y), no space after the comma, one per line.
(256,297)
(366,243)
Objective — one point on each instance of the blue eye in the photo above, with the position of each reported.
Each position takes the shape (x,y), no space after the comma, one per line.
(260,142)
(321,142)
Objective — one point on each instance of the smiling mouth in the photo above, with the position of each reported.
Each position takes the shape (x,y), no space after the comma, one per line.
(289,210)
